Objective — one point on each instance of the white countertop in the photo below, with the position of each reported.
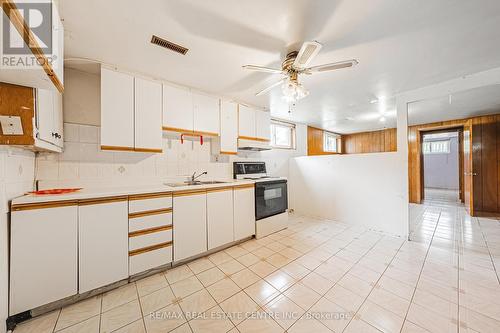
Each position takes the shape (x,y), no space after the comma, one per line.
(89,193)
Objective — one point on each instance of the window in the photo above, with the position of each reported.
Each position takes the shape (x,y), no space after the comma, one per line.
(282,135)
(436,147)
(330,142)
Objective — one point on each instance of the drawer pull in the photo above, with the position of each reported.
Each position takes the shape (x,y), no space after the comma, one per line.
(149,231)
(149,212)
(149,249)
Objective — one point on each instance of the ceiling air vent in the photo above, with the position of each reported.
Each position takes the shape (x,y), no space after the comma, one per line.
(168,45)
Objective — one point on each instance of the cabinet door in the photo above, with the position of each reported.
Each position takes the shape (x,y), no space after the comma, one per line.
(103,244)
(262,125)
(190,225)
(117,110)
(45,115)
(244,212)
(148,114)
(229,127)
(177,108)
(43,256)
(206,114)
(246,121)
(220,217)
(58,120)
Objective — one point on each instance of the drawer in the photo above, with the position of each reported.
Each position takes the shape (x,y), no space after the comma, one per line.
(144,203)
(149,239)
(149,221)
(142,262)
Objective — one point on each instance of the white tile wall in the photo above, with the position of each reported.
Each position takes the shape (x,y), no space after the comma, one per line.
(83,163)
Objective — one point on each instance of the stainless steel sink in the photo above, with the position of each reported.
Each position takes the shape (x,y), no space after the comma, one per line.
(195,183)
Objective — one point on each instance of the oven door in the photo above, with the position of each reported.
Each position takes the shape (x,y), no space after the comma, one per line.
(270,198)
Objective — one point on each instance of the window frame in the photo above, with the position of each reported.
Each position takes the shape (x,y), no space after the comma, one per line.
(293,134)
(336,137)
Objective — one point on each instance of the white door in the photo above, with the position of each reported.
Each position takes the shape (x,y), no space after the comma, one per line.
(189,225)
(244,212)
(206,114)
(229,128)
(263,125)
(58,120)
(148,115)
(246,121)
(177,108)
(103,244)
(45,115)
(43,256)
(220,217)
(117,110)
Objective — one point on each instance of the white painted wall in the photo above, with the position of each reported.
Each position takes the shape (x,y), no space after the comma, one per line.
(16,178)
(441,170)
(360,189)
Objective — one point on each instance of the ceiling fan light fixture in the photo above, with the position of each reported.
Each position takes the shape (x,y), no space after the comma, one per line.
(293,91)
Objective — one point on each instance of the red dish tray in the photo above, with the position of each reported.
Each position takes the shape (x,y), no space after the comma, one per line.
(55,191)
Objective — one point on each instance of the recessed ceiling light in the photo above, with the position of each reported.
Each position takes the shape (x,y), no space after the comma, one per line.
(374,101)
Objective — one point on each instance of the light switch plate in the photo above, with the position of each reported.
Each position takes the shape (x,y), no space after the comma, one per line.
(11,125)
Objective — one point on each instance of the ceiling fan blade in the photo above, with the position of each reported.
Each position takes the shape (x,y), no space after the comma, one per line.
(263,69)
(331,67)
(270,87)
(307,53)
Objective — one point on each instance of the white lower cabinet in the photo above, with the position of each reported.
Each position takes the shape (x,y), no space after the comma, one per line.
(189,224)
(103,242)
(244,211)
(43,256)
(220,217)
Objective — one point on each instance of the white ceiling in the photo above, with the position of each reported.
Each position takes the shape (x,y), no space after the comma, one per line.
(465,104)
(400,44)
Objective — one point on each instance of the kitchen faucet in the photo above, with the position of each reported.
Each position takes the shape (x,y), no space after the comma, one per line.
(193,178)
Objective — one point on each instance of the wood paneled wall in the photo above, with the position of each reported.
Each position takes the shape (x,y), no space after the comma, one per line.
(370,142)
(17,101)
(315,142)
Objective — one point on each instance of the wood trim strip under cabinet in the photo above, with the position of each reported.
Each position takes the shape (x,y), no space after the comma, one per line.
(243,186)
(149,231)
(189,192)
(150,196)
(43,205)
(175,129)
(150,212)
(119,148)
(229,153)
(205,133)
(149,249)
(97,201)
(148,150)
(11,11)
(253,138)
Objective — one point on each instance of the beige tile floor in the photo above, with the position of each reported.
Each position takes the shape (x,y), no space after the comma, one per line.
(316,276)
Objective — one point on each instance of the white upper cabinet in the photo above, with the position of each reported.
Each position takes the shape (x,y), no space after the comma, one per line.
(206,114)
(117,110)
(228,128)
(262,125)
(49,121)
(177,108)
(246,121)
(148,115)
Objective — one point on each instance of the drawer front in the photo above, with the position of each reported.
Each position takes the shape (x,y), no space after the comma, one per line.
(148,260)
(142,241)
(149,221)
(153,203)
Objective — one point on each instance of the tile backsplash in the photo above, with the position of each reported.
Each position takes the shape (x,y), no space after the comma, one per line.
(83,163)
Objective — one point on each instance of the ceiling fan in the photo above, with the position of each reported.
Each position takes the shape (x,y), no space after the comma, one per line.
(295,64)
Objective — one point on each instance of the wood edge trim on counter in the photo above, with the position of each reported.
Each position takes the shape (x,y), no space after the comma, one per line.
(148,150)
(220,189)
(243,186)
(149,248)
(253,138)
(97,201)
(149,231)
(149,196)
(175,129)
(117,148)
(149,213)
(229,153)
(189,192)
(43,205)
(12,12)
